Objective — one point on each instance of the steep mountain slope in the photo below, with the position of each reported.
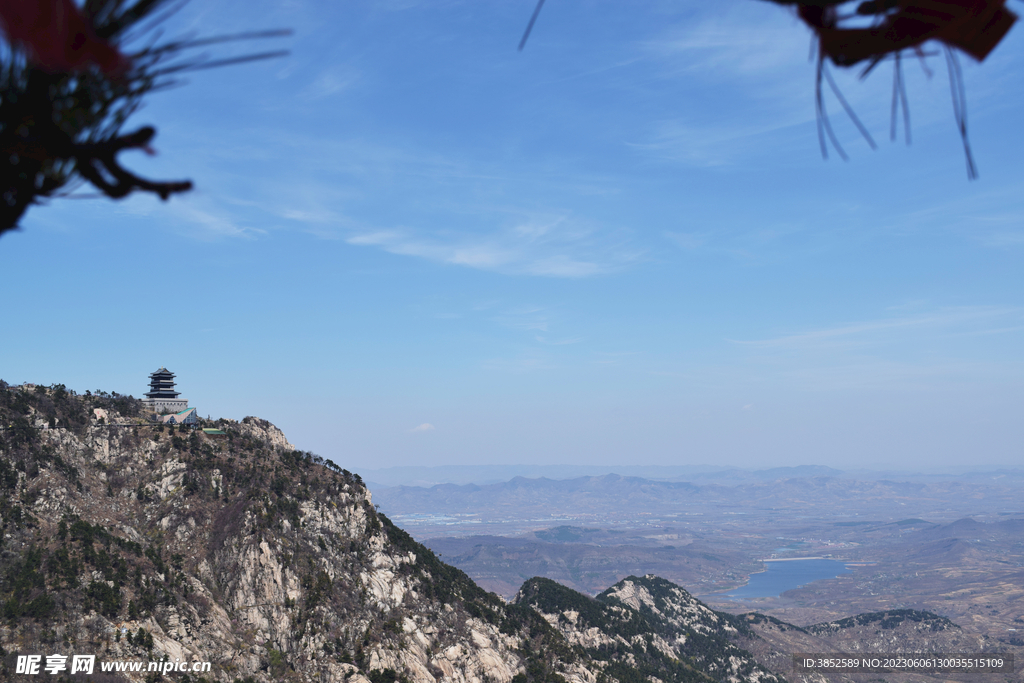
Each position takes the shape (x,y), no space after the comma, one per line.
(647,629)
(127,541)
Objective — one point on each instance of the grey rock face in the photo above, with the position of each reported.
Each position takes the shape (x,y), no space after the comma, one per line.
(131,542)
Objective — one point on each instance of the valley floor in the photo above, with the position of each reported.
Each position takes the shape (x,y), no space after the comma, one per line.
(945,548)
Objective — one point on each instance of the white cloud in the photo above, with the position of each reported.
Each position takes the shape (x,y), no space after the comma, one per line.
(332,81)
(749,41)
(425,427)
(954,320)
(205,223)
(714,143)
(552,249)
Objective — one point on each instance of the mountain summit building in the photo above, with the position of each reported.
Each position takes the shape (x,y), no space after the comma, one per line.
(161,397)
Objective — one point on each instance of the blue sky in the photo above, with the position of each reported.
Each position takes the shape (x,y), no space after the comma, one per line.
(411,244)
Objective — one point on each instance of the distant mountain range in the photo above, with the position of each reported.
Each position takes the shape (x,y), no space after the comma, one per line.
(612,499)
(424,476)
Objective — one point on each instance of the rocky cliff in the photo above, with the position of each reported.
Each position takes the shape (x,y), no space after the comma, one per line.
(131,541)
(647,629)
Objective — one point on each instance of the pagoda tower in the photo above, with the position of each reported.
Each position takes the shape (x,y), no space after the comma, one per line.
(161,397)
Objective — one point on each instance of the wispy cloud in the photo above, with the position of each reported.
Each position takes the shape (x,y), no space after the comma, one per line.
(947,321)
(751,63)
(918,374)
(529,318)
(425,427)
(195,219)
(916,352)
(744,40)
(714,143)
(447,207)
(331,81)
(551,249)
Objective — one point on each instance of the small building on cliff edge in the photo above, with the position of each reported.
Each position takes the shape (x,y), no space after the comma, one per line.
(161,397)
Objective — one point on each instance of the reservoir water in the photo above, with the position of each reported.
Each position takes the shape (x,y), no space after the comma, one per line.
(781,576)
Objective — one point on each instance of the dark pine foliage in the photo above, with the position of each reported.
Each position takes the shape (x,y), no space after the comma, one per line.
(887,620)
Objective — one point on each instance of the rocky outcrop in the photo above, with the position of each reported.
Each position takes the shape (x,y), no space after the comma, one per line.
(131,541)
(648,627)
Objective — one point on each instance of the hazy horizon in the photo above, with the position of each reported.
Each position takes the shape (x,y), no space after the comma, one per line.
(427,475)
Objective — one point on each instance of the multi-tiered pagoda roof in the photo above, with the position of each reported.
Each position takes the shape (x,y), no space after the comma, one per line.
(161,384)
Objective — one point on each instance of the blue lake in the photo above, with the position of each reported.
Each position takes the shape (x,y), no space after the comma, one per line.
(780,577)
